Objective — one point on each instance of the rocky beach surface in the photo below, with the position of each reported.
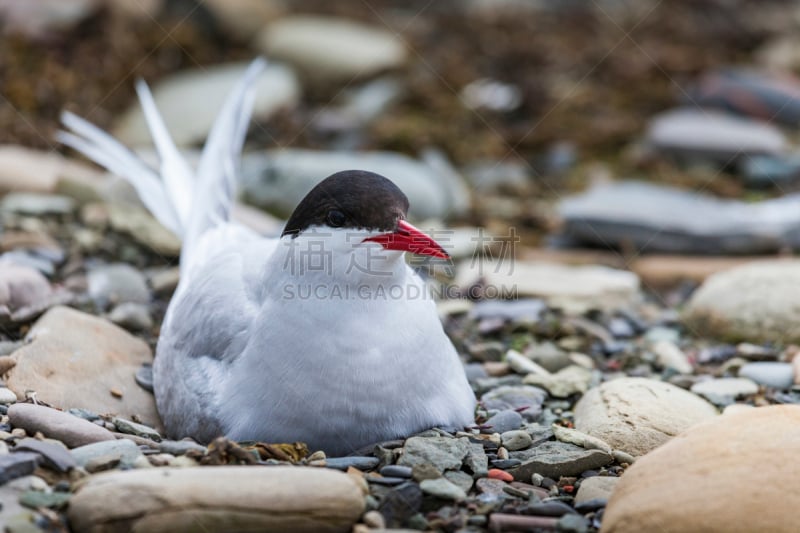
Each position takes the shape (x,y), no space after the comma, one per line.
(619,390)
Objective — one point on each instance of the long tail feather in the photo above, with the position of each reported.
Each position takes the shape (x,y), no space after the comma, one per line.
(187,204)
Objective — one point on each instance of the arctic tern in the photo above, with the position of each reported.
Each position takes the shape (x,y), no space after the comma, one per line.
(323,335)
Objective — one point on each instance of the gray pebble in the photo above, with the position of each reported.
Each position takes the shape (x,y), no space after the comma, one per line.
(131,316)
(443,489)
(343,463)
(503,421)
(396,471)
(769,374)
(516,440)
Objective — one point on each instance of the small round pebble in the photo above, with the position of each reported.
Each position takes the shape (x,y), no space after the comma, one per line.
(503,421)
(7,396)
(516,440)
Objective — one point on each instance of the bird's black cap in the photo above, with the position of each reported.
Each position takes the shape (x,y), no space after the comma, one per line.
(354,199)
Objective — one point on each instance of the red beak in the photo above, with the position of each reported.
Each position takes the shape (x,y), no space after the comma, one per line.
(407,238)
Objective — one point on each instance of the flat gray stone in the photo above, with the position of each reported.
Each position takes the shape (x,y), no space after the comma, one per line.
(666,219)
(278,179)
(444,453)
(125,451)
(14,465)
(713,135)
(722,391)
(556,459)
(443,489)
(516,397)
(54,454)
(117,283)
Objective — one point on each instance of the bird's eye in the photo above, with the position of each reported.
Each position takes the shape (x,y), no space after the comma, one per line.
(336,218)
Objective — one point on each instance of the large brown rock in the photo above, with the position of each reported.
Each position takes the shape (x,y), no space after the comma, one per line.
(226,498)
(737,473)
(636,415)
(73,359)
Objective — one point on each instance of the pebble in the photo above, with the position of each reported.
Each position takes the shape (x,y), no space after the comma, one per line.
(442,488)
(637,415)
(501,475)
(442,453)
(596,488)
(277,180)
(668,355)
(460,479)
(760,94)
(7,396)
(510,397)
(144,229)
(131,316)
(516,440)
(181,447)
(574,288)
(22,287)
(134,428)
(124,451)
(400,504)
(636,213)
(769,374)
(722,391)
(716,464)
(522,365)
(755,302)
(16,465)
(396,471)
(551,508)
(343,463)
(571,380)
(36,204)
(117,283)
(35,499)
(556,459)
(69,429)
(254,498)
(513,522)
(54,454)
(503,421)
(712,136)
(578,438)
(330,50)
(109,358)
(527,309)
(189,101)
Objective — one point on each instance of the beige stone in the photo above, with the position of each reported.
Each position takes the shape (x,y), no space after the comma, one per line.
(756,302)
(225,498)
(737,473)
(73,359)
(636,415)
(597,487)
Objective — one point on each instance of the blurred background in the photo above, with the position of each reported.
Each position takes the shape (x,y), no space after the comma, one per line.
(627,128)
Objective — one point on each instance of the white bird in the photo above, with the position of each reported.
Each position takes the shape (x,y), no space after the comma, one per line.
(324,335)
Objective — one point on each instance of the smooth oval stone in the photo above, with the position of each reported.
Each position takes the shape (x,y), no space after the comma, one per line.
(503,421)
(253,498)
(776,375)
(343,463)
(396,471)
(69,429)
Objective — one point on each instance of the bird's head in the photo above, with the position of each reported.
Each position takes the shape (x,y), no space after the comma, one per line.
(366,208)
